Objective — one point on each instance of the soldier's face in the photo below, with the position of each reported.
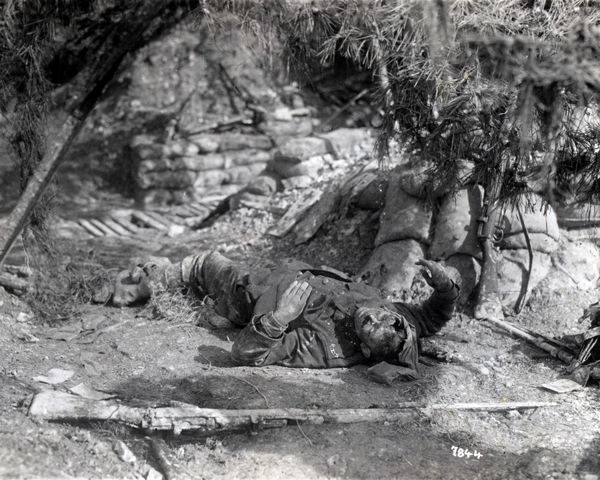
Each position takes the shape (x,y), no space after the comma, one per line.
(380,332)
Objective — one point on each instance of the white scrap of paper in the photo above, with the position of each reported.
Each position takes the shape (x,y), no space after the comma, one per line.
(55,376)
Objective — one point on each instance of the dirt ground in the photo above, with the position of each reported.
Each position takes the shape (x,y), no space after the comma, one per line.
(142,358)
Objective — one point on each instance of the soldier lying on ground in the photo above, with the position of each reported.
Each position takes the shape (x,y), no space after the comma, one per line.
(299,316)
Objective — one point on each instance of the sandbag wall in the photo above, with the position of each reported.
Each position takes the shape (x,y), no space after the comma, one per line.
(284,154)
(566,253)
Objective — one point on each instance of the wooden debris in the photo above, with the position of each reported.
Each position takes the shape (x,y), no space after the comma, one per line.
(60,406)
(103,228)
(148,221)
(160,218)
(317,215)
(117,227)
(126,224)
(14,283)
(291,217)
(90,228)
(168,462)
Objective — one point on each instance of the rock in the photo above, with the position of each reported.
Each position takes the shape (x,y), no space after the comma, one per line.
(346,141)
(373,196)
(575,265)
(403,216)
(200,163)
(288,169)
(456,224)
(578,216)
(512,270)
(210,178)
(123,452)
(538,220)
(301,181)
(391,267)
(300,149)
(179,179)
(247,157)
(540,242)
(206,143)
(182,148)
(299,127)
(465,270)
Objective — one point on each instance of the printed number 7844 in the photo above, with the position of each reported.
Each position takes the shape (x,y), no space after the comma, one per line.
(465,452)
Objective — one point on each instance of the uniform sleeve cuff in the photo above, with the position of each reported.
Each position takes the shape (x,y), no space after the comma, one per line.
(268,325)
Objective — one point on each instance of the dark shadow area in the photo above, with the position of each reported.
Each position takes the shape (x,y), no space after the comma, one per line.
(591,460)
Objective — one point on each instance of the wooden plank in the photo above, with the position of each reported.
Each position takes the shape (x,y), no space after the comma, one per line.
(317,215)
(100,226)
(116,227)
(90,228)
(126,224)
(13,282)
(148,221)
(199,209)
(291,217)
(184,211)
(159,217)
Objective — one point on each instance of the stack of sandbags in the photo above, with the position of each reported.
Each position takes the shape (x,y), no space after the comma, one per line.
(455,241)
(199,165)
(403,238)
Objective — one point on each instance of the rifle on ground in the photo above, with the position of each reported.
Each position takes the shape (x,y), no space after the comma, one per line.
(178,416)
(553,347)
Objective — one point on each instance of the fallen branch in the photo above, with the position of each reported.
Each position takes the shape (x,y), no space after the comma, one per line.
(169,465)
(18,285)
(60,406)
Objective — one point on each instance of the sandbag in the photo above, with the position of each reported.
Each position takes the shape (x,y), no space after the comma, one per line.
(247,157)
(391,267)
(540,242)
(180,179)
(456,224)
(465,270)
(348,141)
(289,169)
(512,270)
(541,219)
(200,163)
(300,149)
(403,217)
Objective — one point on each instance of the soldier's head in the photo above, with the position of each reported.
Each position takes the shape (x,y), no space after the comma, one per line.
(385,336)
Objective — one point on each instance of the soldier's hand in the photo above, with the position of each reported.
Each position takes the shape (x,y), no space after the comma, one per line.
(292,302)
(435,275)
